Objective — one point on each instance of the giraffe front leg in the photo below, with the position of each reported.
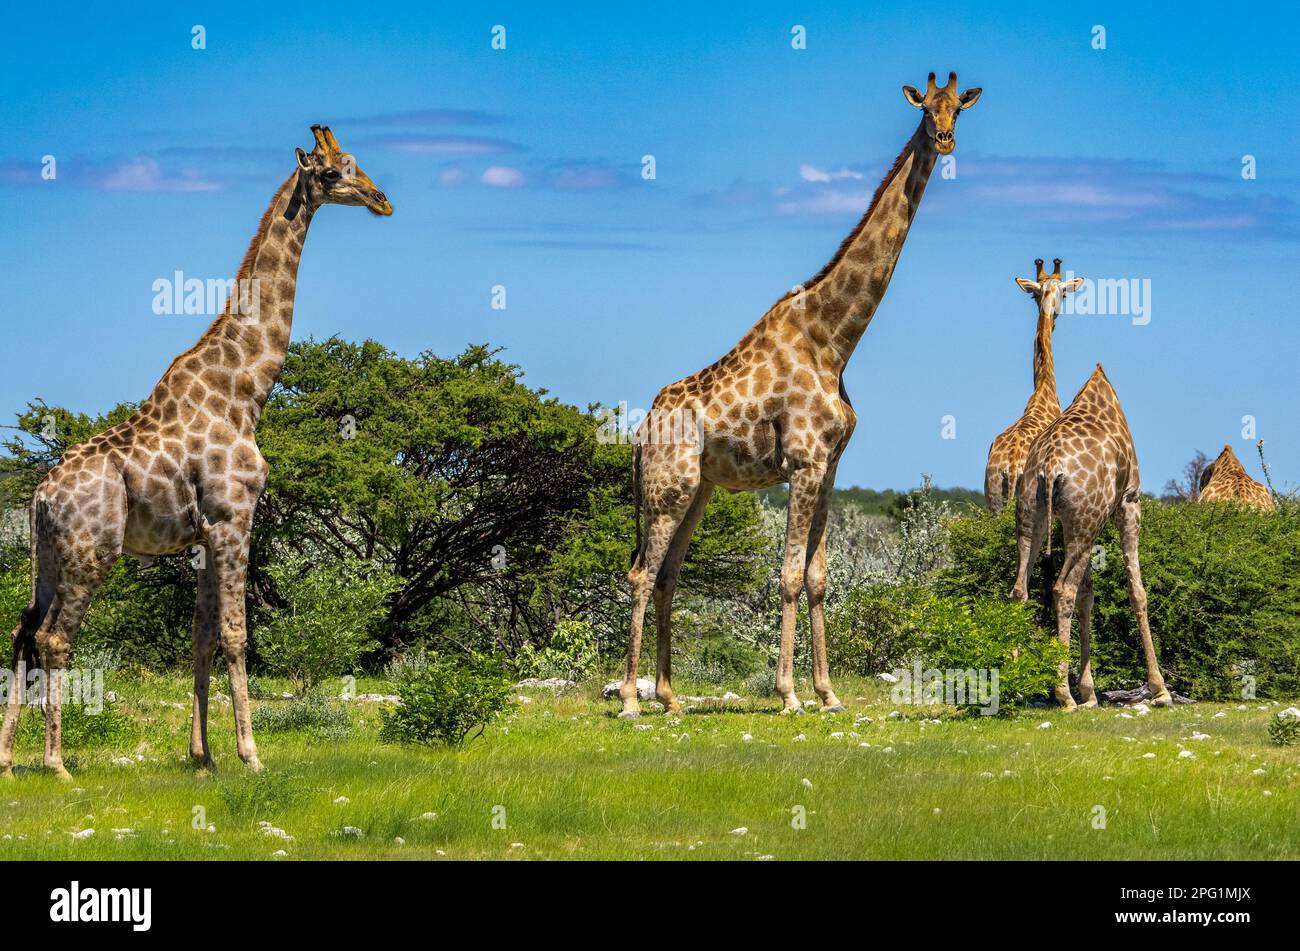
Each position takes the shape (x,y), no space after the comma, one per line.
(228,544)
(815,585)
(1083,605)
(805,489)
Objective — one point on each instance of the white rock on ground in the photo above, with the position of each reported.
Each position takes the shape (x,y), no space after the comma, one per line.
(645,689)
(547,683)
(887,678)
(1290,713)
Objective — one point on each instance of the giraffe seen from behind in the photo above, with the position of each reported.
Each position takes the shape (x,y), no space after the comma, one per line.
(1009,449)
(1083,469)
(772,410)
(185,470)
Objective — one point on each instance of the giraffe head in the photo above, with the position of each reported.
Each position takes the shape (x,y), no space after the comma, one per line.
(1048,289)
(328,175)
(941,105)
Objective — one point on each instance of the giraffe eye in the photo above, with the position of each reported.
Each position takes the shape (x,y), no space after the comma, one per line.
(331,174)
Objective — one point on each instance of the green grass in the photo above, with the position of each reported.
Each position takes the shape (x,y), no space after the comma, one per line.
(572,781)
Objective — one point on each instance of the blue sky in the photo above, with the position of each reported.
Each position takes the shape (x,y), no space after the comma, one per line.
(521,167)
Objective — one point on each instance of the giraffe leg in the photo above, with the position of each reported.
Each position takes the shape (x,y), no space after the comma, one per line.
(815,584)
(805,490)
(664,586)
(77,585)
(1066,591)
(1031,530)
(1129,517)
(207,628)
(667,493)
(1083,604)
(24,640)
(228,545)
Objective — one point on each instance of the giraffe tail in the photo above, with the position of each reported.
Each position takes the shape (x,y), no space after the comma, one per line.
(636,497)
(1048,485)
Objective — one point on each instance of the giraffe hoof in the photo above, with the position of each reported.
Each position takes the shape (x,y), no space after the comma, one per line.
(1089,704)
(7,773)
(792,711)
(61,774)
(1162,699)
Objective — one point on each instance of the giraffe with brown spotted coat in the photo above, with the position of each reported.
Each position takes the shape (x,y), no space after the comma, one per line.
(1226,480)
(1008,451)
(772,410)
(185,470)
(1083,469)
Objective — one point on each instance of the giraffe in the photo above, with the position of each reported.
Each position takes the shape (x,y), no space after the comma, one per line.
(1084,469)
(1007,454)
(1226,480)
(774,409)
(185,470)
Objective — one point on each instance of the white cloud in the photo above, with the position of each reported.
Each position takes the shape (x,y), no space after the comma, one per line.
(502,176)
(811,173)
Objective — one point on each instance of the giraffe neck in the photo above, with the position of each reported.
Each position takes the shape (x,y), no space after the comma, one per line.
(250,337)
(841,300)
(1044,370)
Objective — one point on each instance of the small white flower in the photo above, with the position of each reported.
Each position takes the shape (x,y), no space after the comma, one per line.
(1196,735)
(747,738)
(800,738)
(807,782)
(279,853)
(1186,754)
(1045,725)
(739,830)
(1148,755)
(342,801)
(83,834)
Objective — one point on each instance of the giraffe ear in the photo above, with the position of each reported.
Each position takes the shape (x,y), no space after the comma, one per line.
(302,158)
(913,95)
(970,97)
(1028,286)
(1072,285)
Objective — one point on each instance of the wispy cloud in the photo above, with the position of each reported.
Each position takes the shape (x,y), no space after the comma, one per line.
(1132,195)
(425,117)
(137,173)
(442,144)
(565,176)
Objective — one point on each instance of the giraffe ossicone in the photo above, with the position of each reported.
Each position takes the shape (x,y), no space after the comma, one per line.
(774,409)
(184,470)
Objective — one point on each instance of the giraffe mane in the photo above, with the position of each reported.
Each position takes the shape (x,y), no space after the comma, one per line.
(263,226)
(862,223)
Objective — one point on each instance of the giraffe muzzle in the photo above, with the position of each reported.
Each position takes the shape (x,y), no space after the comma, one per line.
(379,204)
(944,142)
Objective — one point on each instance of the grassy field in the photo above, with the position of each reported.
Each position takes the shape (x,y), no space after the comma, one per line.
(569,780)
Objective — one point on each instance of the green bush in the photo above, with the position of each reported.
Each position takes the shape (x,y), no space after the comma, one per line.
(314,713)
(991,634)
(448,700)
(572,653)
(326,623)
(716,658)
(1284,730)
(1223,595)
(875,629)
(81,728)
